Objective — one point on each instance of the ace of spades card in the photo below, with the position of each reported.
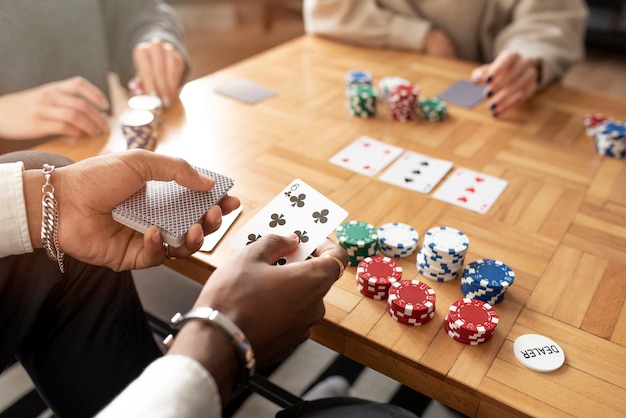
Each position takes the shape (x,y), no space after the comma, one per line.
(471,190)
(416,172)
(298,209)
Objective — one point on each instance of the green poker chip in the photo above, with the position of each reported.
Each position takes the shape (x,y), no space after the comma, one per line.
(433,109)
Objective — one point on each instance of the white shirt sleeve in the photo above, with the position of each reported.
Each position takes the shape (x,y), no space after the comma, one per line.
(13,221)
(173,386)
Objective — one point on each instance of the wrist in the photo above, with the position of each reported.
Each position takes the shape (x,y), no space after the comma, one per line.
(33,180)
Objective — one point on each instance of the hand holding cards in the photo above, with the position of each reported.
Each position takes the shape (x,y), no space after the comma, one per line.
(170,207)
(298,209)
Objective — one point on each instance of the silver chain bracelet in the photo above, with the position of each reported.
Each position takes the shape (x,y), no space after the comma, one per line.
(50,219)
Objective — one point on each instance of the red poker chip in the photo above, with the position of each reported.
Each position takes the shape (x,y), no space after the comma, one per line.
(418,316)
(372,288)
(412,297)
(372,295)
(467,341)
(377,270)
(411,321)
(464,335)
(473,316)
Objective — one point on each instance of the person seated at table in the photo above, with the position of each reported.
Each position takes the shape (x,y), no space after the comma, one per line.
(524,44)
(56,57)
(70,313)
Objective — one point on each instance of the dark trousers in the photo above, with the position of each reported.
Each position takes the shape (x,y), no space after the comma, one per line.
(82,335)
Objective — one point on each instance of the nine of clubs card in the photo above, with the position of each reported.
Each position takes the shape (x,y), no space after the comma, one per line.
(298,209)
(471,190)
(416,172)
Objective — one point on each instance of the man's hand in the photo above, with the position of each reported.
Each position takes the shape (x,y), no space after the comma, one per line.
(160,68)
(509,80)
(72,107)
(87,192)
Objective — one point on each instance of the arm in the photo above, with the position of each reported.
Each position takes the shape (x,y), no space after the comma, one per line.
(146,40)
(364,22)
(87,192)
(543,40)
(275,306)
(72,107)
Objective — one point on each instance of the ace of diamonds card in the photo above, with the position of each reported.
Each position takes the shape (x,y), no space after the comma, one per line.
(471,190)
(298,209)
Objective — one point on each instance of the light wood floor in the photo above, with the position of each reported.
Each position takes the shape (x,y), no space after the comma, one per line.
(221,34)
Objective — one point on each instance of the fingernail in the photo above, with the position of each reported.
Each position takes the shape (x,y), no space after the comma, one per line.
(156,238)
(492,106)
(489,79)
(494,114)
(475,79)
(489,93)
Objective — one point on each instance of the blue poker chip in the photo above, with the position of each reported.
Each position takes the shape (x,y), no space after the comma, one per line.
(489,273)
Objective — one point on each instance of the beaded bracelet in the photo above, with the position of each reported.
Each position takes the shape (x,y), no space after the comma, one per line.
(50,219)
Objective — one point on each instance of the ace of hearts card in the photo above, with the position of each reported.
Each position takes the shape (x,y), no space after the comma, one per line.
(298,209)
(471,190)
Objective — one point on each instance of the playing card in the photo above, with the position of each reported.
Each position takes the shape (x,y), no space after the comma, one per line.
(471,190)
(246,91)
(170,206)
(416,172)
(298,209)
(211,240)
(366,155)
(463,93)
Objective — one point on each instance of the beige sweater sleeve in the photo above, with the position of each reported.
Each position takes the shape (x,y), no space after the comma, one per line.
(551,30)
(363,22)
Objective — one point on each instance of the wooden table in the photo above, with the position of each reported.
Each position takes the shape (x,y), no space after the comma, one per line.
(560,224)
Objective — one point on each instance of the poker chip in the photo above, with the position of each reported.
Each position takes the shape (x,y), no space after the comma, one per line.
(359,239)
(147,102)
(487,280)
(396,239)
(387,84)
(139,130)
(433,109)
(471,321)
(593,122)
(402,102)
(376,274)
(357,77)
(411,302)
(362,100)
(610,139)
(442,254)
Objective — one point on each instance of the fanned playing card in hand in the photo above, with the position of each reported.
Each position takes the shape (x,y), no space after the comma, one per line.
(170,206)
(366,155)
(463,93)
(416,172)
(471,190)
(298,209)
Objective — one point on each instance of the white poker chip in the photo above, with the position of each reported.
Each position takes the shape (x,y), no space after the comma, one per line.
(446,240)
(538,353)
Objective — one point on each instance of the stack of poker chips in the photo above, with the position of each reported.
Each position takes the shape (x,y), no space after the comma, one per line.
(387,84)
(433,109)
(411,302)
(397,239)
(357,77)
(402,102)
(471,321)
(374,276)
(487,280)
(442,254)
(150,103)
(611,139)
(362,100)
(139,130)
(359,239)
(593,122)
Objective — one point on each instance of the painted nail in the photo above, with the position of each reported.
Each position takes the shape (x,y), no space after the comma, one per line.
(489,79)
(494,114)
(489,93)
(492,106)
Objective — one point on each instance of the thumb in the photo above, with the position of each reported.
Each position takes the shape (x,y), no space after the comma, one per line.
(271,248)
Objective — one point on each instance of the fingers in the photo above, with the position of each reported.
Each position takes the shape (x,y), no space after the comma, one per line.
(509,80)
(272,247)
(160,68)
